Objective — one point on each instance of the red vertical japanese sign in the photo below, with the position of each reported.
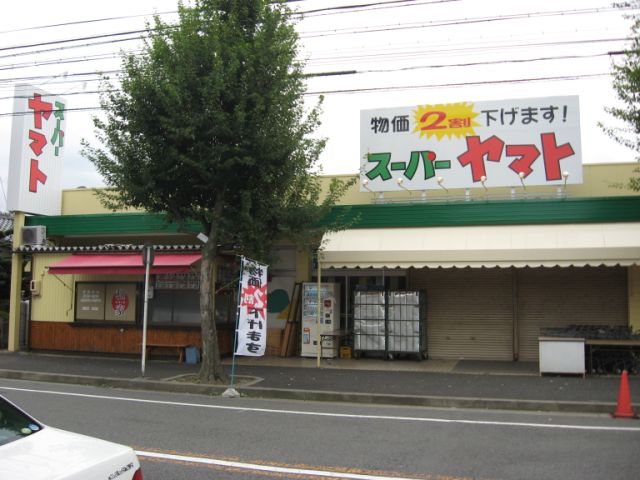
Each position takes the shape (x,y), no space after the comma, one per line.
(37,145)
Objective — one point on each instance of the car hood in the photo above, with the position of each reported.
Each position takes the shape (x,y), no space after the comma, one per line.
(53,454)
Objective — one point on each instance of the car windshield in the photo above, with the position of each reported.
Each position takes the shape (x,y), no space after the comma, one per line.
(14,423)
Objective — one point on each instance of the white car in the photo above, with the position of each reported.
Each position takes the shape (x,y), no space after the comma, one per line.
(30,450)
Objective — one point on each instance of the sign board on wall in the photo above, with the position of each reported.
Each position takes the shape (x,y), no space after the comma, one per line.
(120,302)
(90,301)
(106,301)
(37,145)
(504,143)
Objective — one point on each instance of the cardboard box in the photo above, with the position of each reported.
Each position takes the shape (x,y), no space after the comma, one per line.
(345,352)
(274,340)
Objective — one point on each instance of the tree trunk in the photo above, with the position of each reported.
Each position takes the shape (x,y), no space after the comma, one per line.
(211,369)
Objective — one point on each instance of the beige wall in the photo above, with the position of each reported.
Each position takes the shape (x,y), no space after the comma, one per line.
(56,300)
(81,201)
(598,180)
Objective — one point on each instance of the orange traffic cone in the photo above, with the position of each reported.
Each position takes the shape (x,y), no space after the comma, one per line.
(624,410)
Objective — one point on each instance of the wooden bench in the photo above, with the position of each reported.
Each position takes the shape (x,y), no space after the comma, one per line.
(180,348)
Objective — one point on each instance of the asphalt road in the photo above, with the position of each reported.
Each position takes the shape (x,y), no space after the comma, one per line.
(200,437)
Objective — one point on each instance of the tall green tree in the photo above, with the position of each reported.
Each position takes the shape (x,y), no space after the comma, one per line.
(626,83)
(209,124)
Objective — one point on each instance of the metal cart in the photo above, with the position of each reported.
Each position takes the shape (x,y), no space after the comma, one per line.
(390,323)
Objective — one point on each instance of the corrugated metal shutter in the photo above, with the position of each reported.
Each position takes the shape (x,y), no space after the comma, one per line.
(555,297)
(469,312)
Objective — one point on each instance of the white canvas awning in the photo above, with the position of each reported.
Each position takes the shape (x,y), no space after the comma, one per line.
(484,246)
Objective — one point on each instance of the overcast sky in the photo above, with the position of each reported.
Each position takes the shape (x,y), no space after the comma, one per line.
(399,54)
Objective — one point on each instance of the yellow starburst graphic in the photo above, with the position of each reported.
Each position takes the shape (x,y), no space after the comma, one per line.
(450,119)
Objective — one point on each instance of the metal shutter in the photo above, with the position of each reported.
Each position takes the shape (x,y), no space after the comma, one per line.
(469,312)
(555,297)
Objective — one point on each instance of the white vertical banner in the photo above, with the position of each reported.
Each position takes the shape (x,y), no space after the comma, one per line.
(251,338)
(37,146)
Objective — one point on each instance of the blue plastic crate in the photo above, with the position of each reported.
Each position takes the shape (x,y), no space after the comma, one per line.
(192,355)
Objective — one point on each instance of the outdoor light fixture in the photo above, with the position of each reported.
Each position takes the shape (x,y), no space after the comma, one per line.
(483,179)
(522,175)
(563,190)
(202,237)
(365,185)
(440,181)
(400,184)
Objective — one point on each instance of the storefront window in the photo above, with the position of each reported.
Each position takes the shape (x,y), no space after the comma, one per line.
(175,307)
(176,301)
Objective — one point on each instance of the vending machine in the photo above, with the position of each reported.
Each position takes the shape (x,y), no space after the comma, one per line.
(329,318)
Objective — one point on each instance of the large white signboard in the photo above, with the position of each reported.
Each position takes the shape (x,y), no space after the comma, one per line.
(504,143)
(37,145)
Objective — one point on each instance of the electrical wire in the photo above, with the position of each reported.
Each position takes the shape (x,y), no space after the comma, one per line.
(83,22)
(353,58)
(457,85)
(393,88)
(356,72)
(377,55)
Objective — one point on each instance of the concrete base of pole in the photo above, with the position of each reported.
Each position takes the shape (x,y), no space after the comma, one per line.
(231,393)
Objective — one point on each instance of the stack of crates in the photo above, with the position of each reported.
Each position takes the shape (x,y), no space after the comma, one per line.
(392,323)
(405,323)
(369,322)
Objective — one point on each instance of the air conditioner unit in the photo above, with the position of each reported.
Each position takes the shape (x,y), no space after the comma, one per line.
(36,235)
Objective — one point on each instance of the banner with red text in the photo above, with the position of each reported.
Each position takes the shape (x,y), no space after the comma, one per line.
(252,309)
(503,143)
(37,146)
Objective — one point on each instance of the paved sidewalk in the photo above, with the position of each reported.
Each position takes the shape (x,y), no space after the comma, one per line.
(463,384)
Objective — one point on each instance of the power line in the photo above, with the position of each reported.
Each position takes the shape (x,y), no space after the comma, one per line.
(456,22)
(461,84)
(395,56)
(68,40)
(376,5)
(375,55)
(378,56)
(359,58)
(83,22)
(393,88)
(381,28)
(355,72)
(351,72)
(69,47)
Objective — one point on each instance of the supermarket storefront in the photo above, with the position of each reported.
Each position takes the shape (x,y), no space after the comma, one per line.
(492,289)
(495,272)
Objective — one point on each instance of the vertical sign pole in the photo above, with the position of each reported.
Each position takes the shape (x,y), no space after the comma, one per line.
(235,338)
(318,313)
(147,258)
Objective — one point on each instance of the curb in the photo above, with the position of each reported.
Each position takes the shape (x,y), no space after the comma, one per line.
(318,396)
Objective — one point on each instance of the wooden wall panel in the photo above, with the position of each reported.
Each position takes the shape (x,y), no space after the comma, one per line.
(117,339)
